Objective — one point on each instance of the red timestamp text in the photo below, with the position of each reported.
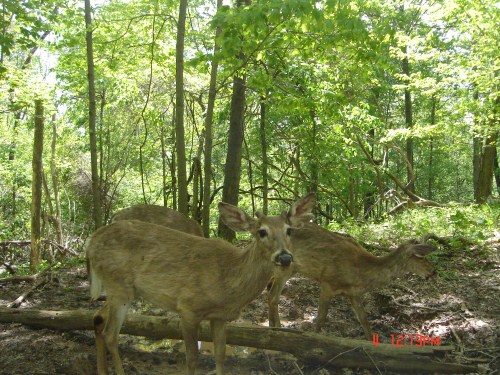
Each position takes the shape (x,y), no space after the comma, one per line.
(401,340)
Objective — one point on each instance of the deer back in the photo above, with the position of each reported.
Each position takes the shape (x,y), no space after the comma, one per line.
(160,215)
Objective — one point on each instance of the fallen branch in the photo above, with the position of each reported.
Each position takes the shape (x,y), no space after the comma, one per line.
(310,348)
(29,278)
(60,248)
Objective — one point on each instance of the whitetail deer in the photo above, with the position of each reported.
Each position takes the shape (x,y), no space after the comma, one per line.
(199,278)
(160,215)
(343,267)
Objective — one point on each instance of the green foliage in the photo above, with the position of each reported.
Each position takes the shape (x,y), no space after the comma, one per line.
(474,223)
(329,73)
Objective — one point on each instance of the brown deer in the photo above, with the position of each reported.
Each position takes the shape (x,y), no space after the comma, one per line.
(343,267)
(199,278)
(160,215)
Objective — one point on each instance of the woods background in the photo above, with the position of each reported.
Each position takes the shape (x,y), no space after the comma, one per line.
(377,106)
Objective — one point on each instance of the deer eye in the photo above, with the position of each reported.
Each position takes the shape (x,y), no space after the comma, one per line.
(288,232)
(262,233)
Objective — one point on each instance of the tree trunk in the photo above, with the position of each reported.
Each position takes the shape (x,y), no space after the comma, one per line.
(496,172)
(96,191)
(485,179)
(207,167)
(232,170)
(164,166)
(180,144)
(408,121)
(263,145)
(55,185)
(36,188)
(311,348)
(431,152)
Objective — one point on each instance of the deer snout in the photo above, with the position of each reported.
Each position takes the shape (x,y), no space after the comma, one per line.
(284,258)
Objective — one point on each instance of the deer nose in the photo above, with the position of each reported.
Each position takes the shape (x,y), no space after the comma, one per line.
(284,258)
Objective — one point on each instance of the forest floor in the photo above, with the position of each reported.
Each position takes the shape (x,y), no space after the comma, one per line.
(461,306)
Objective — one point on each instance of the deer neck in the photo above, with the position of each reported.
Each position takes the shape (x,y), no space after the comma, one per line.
(251,274)
(382,270)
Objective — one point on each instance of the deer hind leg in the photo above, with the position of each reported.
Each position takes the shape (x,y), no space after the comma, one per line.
(360,312)
(273,298)
(107,325)
(190,327)
(218,328)
(325,296)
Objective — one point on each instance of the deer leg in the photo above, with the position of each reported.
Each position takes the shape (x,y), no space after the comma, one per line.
(116,316)
(324,300)
(100,320)
(190,334)
(360,312)
(273,298)
(218,328)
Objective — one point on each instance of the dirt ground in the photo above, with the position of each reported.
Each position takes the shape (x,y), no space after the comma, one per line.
(462,307)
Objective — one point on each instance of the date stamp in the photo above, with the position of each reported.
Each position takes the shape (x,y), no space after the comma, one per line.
(401,340)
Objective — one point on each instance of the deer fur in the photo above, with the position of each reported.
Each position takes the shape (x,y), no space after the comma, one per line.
(199,278)
(343,267)
(160,215)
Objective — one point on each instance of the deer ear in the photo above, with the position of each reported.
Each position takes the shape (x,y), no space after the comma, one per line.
(301,210)
(421,250)
(235,218)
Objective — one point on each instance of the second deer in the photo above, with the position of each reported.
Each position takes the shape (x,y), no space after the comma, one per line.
(199,278)
(343,267)
(160,215)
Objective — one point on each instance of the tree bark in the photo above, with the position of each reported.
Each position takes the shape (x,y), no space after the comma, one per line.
(207,166)
(55,185)
(96,190)
(408,122)
(36,188)
(310,348)
(263,145)
(182,194)
(431,151)
(485,178)
(232,170)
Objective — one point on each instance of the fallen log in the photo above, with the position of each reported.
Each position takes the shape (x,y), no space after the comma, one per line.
(310,348)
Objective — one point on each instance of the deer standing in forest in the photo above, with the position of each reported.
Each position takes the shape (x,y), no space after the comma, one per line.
(160,215)
(343,267)
(199,278)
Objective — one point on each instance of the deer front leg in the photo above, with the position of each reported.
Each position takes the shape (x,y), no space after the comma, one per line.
(324,300)
(218,328)
(360,312)
(273,298)
(190,329)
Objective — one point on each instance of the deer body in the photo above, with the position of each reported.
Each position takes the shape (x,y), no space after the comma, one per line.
(196,277)
(343,267)
(160,215)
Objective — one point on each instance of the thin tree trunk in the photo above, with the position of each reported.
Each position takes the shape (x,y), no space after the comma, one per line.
(263,145)
(164,166)
(36,188)
(408,122)
(250,175)
(431,152)
(496,171)
(207,167)
(55,184)
(182,194)
(96,191)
